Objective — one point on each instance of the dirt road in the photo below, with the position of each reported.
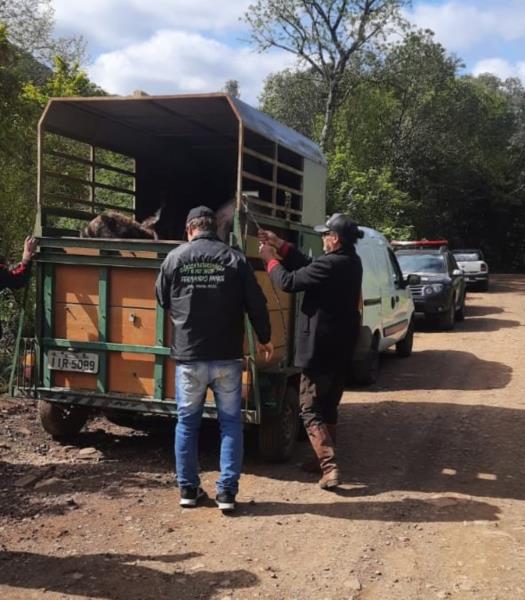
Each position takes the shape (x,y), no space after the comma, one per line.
(433,507)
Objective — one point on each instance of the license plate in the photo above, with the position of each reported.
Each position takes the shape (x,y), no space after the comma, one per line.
(81,362)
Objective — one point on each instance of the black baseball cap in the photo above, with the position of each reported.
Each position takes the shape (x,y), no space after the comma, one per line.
(343,226)
(198,212)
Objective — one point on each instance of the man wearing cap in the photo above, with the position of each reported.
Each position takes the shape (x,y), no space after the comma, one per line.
(208,287)
(327,327)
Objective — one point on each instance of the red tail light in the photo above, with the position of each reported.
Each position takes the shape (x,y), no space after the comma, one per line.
(483,267)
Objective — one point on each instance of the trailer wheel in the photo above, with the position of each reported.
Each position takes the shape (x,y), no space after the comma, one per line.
(61,421)
(278,433)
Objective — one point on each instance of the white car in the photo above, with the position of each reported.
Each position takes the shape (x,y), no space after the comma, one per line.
(472,263)
(387,308)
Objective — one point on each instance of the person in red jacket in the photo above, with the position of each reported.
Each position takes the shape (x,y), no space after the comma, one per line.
(18,276)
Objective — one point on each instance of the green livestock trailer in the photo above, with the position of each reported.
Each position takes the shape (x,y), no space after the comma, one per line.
(102,342)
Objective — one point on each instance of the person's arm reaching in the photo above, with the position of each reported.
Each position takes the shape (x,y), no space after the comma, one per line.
(255,306)
(308,277)
(19,276)
(163,286)
(292,258)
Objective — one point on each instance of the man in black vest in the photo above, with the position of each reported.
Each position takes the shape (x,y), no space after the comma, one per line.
(328,325)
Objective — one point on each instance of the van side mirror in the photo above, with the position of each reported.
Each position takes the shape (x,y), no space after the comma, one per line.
(413,280)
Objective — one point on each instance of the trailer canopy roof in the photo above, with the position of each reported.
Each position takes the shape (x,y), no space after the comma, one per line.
(135,125)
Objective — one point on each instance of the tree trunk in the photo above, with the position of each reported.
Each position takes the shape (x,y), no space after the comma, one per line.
(328,115)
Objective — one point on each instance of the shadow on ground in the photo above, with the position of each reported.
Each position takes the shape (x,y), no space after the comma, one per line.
(424,447)
(470,324)
(408,510)
(117,576)
(482,311)
(507,284)
(441,370)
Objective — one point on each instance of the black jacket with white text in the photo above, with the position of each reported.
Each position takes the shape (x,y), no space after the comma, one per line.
(208,287)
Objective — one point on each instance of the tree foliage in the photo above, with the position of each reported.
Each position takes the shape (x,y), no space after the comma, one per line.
(284,97)
(233,88)
(329,37)
(416,149)
(30,24)
(25,87)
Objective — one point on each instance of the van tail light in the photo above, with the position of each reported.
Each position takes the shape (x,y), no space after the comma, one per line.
(483,267)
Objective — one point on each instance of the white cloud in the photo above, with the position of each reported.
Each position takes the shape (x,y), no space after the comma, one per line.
(460,26)
(111,23)
(174,61)
(500,67)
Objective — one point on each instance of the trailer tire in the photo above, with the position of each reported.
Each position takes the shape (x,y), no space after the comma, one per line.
(278,433)
(61,421)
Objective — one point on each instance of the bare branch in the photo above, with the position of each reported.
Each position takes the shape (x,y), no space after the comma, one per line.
(325,34)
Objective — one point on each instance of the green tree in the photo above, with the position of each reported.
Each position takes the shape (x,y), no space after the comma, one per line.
(295,98)
(17,147)
(233,88)
(327,36)
(31,24)
(65,80)
(370,197)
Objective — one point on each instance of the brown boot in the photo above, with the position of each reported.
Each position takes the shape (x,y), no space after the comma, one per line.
(325,451)
(312,465)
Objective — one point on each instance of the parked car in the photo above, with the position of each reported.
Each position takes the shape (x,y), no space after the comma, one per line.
(387,308)
(473,264)
(440,295)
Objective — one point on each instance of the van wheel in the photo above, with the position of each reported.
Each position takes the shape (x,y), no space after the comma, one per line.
(278,433)
(404,347)
(366,371)
(60,420)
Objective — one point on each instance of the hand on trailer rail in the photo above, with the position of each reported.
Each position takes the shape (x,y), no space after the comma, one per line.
(269,237)
(265,350)
(30,245)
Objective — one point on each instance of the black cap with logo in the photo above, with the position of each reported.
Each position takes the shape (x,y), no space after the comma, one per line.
(343,226)
(198,212)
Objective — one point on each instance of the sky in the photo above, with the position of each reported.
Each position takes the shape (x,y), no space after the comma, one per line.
(190,46)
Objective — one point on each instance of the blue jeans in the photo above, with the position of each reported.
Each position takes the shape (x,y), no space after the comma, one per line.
(191,382)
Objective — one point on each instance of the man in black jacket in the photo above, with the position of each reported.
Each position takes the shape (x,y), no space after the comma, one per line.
(327,328)
(207,286)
